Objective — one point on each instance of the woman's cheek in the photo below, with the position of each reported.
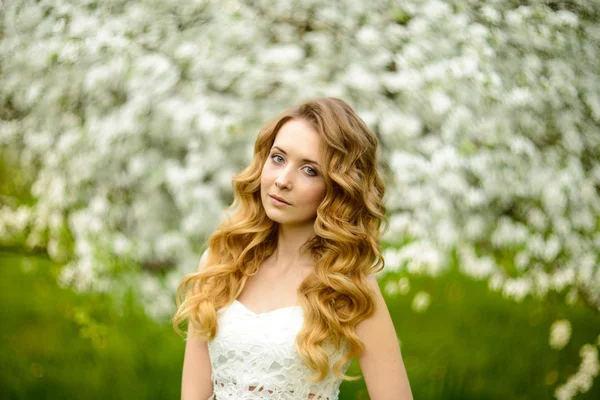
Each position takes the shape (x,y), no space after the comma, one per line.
(318,194)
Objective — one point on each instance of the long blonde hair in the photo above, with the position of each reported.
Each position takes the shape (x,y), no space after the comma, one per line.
(335,296)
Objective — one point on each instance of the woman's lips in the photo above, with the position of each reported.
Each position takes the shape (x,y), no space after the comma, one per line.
(279,202)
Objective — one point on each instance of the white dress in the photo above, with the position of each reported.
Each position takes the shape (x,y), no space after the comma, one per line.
(259,350)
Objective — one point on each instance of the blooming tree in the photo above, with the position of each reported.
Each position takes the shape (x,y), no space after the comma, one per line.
(131,117)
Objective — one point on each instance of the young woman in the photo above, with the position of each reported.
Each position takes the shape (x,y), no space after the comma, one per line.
(285,296)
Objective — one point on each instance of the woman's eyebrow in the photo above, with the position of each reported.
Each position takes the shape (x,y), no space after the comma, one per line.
(303,160)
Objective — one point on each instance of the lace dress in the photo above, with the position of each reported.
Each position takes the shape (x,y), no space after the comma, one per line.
(254,356)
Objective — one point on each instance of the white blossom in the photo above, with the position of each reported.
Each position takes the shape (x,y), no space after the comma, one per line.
(421,302)
(132,120)
(283,55)
(440,102)
(517,289)
(403,285)
(391,288)
(582,380)
(560,334)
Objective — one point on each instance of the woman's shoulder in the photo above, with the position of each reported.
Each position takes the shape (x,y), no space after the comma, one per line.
(373,283)
(203,259)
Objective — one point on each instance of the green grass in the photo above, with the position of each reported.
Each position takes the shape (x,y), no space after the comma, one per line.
(57,344)
(469,344)
(474,344)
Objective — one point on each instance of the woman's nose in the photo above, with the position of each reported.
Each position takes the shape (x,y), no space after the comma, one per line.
(283,180)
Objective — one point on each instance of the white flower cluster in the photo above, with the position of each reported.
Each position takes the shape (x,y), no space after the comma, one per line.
(583,379)
(504,165)
(134,115)
(560,334)
(421,302)
(393,287)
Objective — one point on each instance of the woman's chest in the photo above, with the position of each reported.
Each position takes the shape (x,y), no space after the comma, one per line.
(269,290)
(265,341)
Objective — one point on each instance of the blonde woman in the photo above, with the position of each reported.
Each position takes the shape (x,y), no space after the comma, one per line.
(285,295)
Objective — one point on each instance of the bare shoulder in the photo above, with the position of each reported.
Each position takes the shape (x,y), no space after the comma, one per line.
(196,376)
(374,286)
(203,259)
(371,329)
(372,281)
(381,362)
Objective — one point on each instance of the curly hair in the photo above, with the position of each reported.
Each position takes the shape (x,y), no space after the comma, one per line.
(335,296)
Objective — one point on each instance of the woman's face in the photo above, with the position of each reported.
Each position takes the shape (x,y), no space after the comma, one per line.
(293,172)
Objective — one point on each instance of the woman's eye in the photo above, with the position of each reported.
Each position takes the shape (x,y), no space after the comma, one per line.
(312,171)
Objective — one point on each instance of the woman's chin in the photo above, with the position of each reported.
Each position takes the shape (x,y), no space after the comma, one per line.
(276,218)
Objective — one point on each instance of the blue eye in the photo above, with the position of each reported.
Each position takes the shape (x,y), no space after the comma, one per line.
(314,173)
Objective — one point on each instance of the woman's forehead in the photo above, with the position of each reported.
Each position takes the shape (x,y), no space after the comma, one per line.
(298,139)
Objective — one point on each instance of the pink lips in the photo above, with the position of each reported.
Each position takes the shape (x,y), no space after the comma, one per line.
(279,199)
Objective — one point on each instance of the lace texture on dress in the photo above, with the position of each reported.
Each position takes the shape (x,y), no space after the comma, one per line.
(254,356)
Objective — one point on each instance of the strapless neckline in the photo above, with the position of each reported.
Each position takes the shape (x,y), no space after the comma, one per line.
(259,349)
(266,312)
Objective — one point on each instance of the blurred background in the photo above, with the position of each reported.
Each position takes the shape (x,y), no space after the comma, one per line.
(122,123)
